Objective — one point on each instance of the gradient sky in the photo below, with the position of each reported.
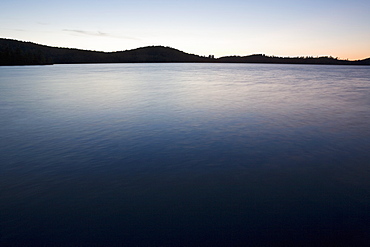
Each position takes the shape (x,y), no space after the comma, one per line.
(340,28)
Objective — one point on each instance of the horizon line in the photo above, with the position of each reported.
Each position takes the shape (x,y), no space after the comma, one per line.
(263,54)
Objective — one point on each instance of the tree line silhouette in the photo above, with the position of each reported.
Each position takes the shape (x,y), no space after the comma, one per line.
(13,52)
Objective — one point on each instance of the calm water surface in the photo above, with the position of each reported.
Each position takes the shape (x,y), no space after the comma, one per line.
(185,154)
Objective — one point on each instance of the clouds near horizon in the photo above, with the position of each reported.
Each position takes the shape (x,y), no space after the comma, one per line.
(284,28)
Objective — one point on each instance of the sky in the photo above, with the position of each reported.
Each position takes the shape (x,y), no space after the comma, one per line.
(338,28)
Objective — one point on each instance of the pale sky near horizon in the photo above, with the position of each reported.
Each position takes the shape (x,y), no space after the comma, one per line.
(339,28)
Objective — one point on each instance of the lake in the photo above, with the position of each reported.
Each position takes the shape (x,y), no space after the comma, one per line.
(185,155)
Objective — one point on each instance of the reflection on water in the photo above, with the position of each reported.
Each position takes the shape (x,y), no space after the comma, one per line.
(184,154)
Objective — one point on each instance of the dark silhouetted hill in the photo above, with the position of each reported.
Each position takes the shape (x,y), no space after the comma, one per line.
(155,54)
(260,58)
(364,61)
(14,52)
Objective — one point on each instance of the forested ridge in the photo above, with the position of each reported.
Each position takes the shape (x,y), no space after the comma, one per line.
(14,52)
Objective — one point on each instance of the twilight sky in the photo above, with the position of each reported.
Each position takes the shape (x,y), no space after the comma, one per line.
(340,28)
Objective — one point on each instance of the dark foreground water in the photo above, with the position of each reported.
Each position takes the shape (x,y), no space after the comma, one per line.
(185,155)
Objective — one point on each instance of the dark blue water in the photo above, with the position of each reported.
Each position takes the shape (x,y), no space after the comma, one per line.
(185,155)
